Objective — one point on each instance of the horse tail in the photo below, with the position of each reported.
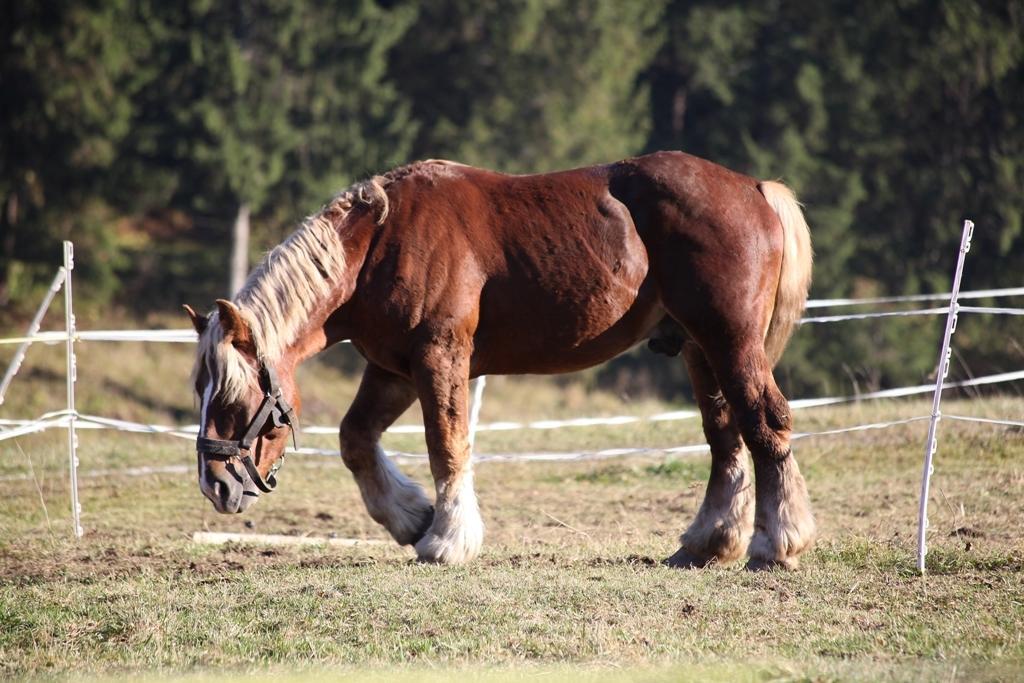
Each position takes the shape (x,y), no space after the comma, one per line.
(795,275)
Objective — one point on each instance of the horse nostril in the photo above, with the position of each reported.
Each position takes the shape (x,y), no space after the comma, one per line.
(221,491)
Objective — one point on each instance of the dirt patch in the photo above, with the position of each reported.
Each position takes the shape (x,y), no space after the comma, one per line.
(528,560)
(967,532)
(627,561)
(98,561)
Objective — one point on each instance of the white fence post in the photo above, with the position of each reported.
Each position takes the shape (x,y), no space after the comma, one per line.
(72,371)
(474,409)
(33,327)
(931,445)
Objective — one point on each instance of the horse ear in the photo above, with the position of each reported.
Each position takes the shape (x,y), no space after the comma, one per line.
(199,322)
(236,330)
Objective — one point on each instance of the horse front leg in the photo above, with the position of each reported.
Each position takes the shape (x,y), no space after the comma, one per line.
(442,380)
(393,500)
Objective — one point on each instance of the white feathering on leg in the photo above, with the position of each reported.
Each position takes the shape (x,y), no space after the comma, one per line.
(725,522)
(785,525)
(457,533)
(394,500)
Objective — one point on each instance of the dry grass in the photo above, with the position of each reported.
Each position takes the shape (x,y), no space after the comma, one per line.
(570,579)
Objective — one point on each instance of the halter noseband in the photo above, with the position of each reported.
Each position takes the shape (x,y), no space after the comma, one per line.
(273,408)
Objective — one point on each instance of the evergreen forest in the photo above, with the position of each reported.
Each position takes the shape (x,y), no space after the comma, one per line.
(144,130)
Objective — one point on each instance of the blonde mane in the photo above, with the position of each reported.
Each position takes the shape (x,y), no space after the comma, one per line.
(284,290)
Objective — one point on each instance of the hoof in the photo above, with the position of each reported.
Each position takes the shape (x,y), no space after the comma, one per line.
(456,534)
(684,559)
(458,548)
(758,564)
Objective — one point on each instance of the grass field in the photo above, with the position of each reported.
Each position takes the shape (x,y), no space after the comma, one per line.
(569,584)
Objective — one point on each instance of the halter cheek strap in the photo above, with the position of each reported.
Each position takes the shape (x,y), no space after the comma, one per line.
(274,408)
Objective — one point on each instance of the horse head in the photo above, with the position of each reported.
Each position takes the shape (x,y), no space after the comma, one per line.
(248,408)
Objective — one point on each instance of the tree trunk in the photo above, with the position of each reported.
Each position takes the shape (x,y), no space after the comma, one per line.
(239,250)
(678,113)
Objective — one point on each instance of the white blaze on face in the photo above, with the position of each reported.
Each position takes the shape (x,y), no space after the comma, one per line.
(207,395)
(204,407)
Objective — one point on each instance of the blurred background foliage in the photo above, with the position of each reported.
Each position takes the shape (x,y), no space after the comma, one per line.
(139,128)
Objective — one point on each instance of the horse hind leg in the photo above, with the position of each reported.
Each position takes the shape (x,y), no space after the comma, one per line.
(783,523)
(393,500)
(723,526)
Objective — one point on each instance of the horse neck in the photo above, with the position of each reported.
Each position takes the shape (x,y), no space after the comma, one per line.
(317,333)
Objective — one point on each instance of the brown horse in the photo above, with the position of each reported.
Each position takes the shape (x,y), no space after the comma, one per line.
(438,272)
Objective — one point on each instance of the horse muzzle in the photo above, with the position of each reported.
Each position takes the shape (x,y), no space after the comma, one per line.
(227,484)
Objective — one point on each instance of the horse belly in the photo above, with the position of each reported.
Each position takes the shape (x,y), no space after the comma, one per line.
(571,298)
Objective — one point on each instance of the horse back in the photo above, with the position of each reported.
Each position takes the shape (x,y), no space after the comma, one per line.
(559,271)
(548,270)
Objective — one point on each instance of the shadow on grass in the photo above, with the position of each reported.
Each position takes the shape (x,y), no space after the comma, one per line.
(123,392)
(674,470)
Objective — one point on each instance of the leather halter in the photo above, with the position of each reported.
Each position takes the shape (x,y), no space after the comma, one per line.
(273,408)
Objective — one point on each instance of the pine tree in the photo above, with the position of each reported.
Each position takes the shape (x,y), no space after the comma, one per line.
(270,101)
(892,123)
(529,86)
(65,109)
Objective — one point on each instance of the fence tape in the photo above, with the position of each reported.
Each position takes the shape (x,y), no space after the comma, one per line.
(909,298)
(32,427)
(10,429)
(859,428)
(572,456)
(187,335)
(985,420)
(182,336)
(990,309)
(189,431)
(867,316)
(542,456)
(913,312)
(908,391)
